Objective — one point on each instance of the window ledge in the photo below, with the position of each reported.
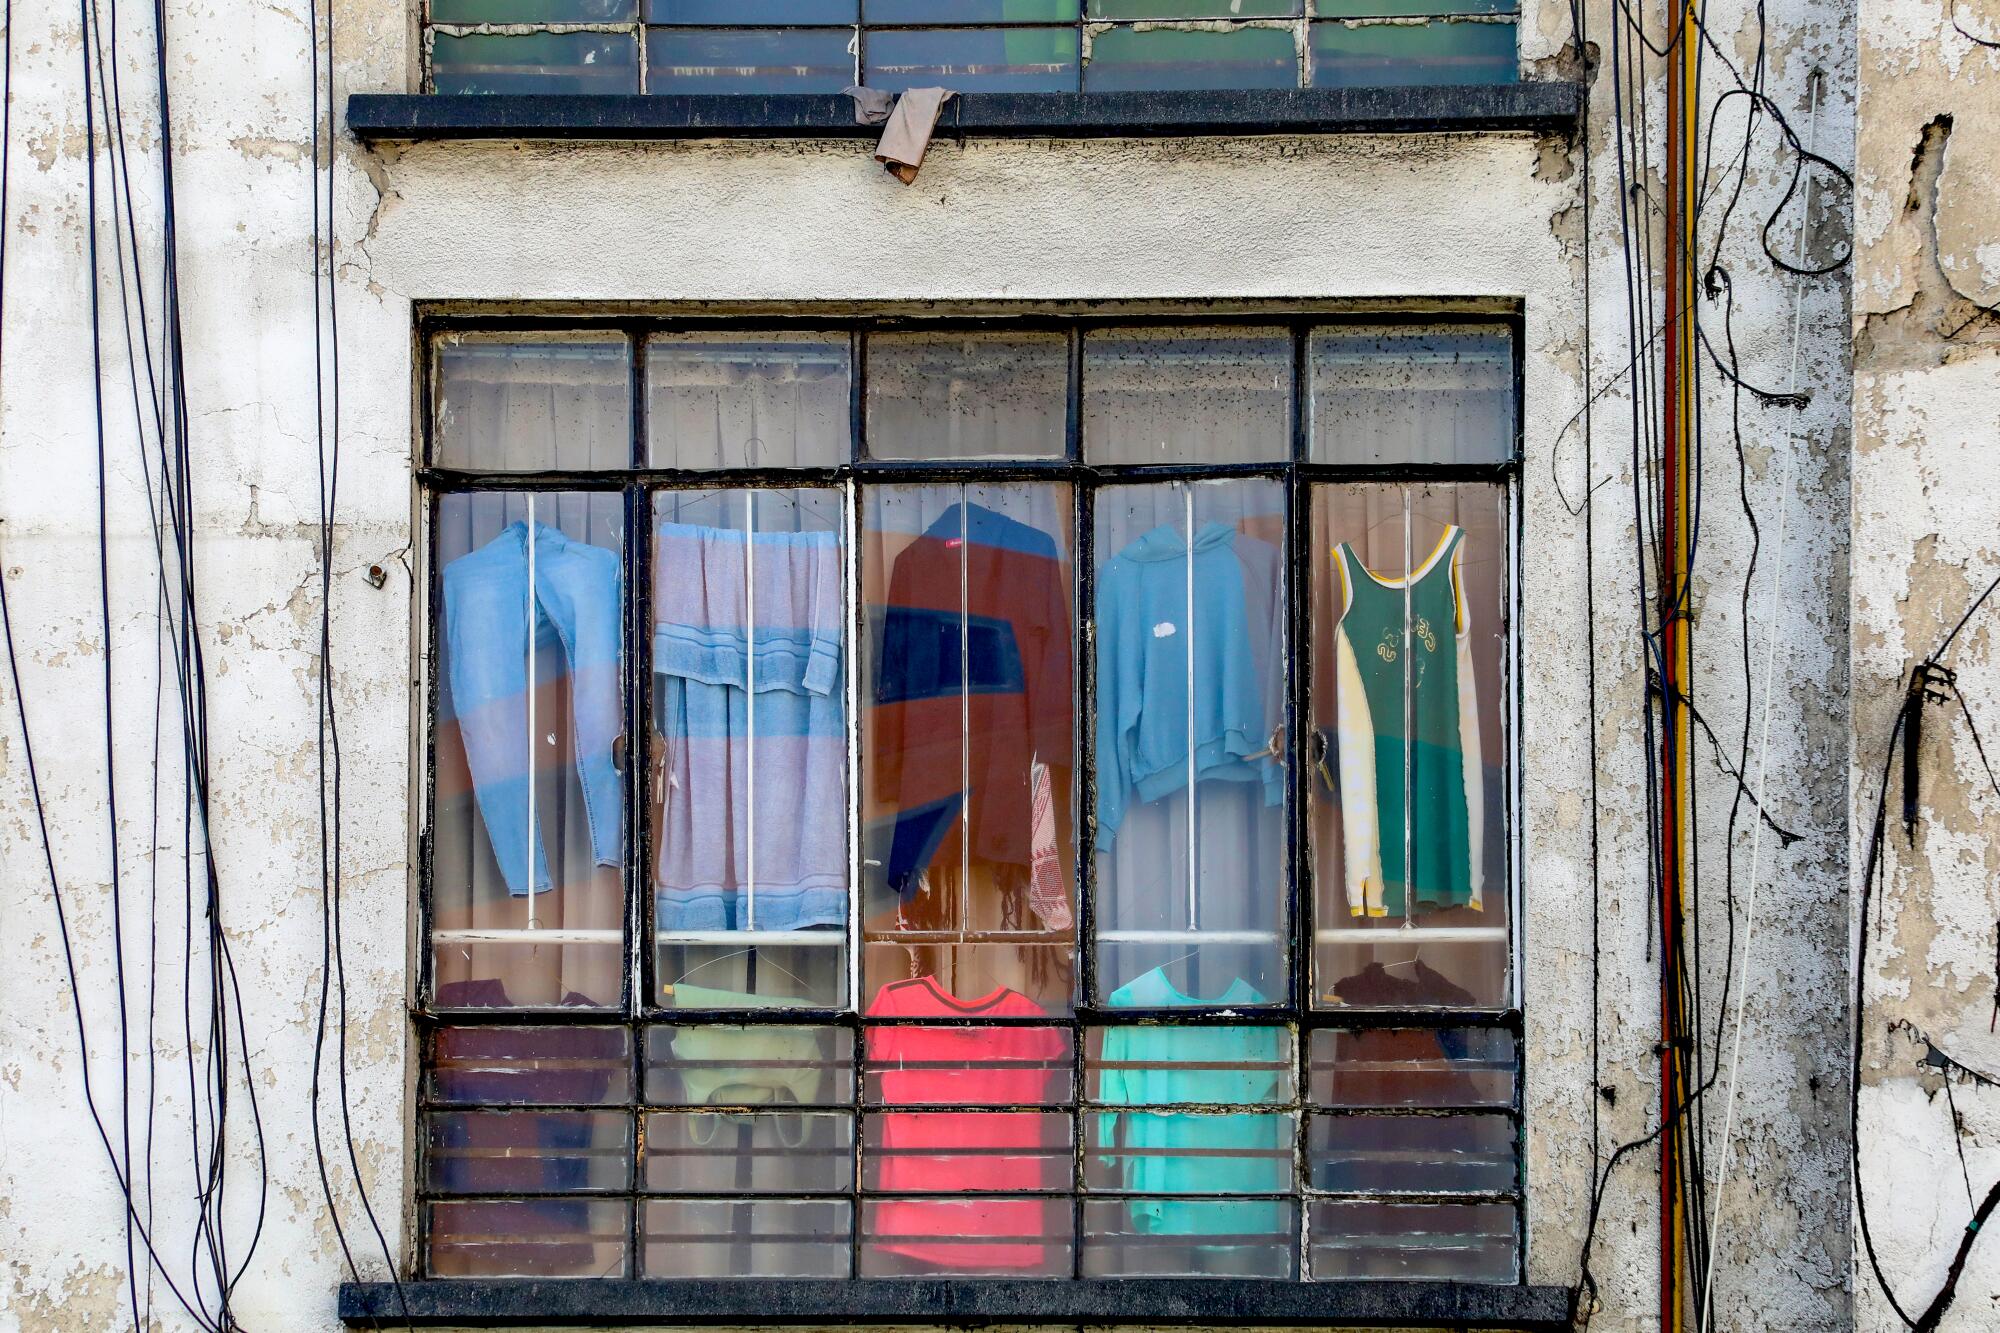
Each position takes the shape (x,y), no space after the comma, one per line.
(1539,106)
(1218,1302)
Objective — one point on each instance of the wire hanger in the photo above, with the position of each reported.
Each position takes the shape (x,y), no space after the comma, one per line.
(1416,956)
(738,953)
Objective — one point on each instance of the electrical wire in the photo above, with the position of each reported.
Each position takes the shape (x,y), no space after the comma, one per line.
(1772,617)
(326,426)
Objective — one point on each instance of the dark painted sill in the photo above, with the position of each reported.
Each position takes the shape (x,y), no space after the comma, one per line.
(1540,107)
(1185,1302)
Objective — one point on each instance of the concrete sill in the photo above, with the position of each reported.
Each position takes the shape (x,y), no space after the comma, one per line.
(1540,107)
(1184,1302)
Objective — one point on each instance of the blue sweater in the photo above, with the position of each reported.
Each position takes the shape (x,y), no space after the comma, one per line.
(1143,746)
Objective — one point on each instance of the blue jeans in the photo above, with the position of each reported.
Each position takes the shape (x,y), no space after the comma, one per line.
(577,610)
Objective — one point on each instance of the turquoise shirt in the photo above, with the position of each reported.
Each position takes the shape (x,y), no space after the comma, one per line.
(1177,1066)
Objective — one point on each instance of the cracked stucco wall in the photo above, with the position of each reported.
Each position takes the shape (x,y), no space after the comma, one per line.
(1926,496)
(686,224)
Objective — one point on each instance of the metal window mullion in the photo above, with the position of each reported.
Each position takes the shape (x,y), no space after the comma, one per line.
(638,850)
(964,724)
(1193,851)
(1082,681)
(851,586)
(750,704)
(1409,727)
(637,681)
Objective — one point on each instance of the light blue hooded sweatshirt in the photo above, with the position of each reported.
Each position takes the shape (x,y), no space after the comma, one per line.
(1143,613)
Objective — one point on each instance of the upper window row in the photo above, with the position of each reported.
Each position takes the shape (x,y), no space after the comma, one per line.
(974,46)
(1372,394)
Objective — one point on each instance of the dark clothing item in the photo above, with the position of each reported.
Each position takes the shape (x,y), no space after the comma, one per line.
(973,679)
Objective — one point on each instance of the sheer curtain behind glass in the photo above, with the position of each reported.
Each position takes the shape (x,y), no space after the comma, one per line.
(528,815)
(508,403)
(969,739)
(748,750)
(1190,662)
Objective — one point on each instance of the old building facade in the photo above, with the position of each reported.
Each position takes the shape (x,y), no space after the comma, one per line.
(1094,916)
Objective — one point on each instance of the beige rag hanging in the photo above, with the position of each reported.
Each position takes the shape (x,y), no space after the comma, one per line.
(907,136)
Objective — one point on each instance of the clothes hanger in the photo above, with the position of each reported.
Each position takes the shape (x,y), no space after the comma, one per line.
(738,953)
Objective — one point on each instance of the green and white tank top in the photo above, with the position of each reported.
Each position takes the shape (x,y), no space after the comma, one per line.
(1408,724)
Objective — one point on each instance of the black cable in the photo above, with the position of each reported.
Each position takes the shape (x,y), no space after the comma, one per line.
(326,395)
(1873,872)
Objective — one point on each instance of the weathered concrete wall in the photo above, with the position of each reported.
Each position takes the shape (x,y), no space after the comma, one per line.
(1428,216)
(1926,497)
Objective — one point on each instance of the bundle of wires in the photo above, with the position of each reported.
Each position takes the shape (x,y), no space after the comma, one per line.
(191,1000)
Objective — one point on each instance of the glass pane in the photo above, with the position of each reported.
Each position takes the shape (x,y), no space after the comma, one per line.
(748,755)
(1202,1238)
(967,395)
(1159,1065)
(527,824)
(1407,714)
(772,60)
(967,1152)
(1413,1241)
(1395,55)
(1412,1067)
(970,1237)
(782,1152)
(722,1064)
(731,1238)
(1187,1152)
(1413,1154)
(527,1152)
(991,1064)
(1388,394)
(533,11)
(747,13)
(717,400)
(1158,59)
(1191,661)
(1187,395)
(512,404)
(968,748)
(534,62)
(973,60)
(972,11)
(531,1066)
(527,1237)
(1195,9)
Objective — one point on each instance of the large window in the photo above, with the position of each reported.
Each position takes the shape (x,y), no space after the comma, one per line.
(972,46)
(1024,798)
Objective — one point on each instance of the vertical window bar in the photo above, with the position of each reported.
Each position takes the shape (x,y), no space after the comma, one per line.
(433,702)
(856,627)
(1301,918)
(1409,729)
(636,674)
(533,835)
(1080,681)
(964,728)
(638,681)
(750,707)
(1084,592)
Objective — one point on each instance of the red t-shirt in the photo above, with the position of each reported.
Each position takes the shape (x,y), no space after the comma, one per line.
(956,1154)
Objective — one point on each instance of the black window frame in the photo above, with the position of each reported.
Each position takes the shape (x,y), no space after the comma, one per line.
(972,1299)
